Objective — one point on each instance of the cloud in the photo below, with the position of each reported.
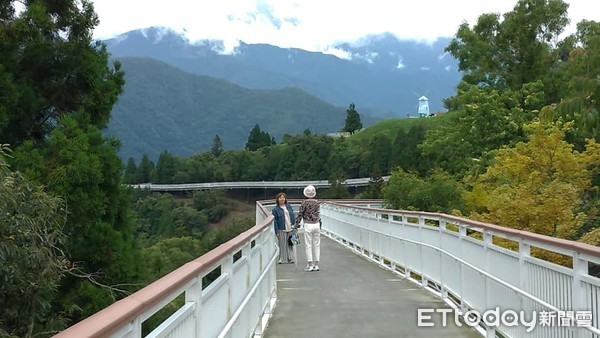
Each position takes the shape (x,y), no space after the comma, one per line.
(400,64)
(309,25)
(368,56)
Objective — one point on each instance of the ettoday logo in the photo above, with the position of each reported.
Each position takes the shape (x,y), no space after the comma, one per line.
(508,318)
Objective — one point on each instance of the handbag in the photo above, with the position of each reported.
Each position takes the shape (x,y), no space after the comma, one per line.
(294,239)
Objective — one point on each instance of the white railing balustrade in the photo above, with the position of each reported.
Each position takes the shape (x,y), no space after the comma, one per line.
(351,182)
(472,266)
(462,262)
(238,303)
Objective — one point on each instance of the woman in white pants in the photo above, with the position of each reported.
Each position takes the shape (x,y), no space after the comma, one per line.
(310,213)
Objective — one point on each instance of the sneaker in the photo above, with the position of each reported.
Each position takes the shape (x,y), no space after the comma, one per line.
(309,269)
(316,268)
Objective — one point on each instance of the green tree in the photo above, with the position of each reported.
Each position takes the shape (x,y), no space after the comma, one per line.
(352,122)
(168,254)
(381,152)
(50,67)
(33,259)
(582,100)
(57,93)
(258,139)
(165,168)
(437,193)
(509,53)
(406,152)
(217,146)
(145,170)
(154,215)
(337,188)
(543,178)
(83,168)
(130,176)
(374,189)
(286,163)
(211,203)
(487,120)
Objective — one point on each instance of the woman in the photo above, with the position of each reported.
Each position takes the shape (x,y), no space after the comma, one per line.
(310,213)
(283,219)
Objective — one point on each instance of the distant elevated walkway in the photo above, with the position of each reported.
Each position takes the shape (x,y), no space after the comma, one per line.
(353,182)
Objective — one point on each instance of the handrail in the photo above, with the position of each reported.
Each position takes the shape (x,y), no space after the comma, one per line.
(113,317)
(488,275)
(352,182)
(574,289)
(239,310)
(562,243)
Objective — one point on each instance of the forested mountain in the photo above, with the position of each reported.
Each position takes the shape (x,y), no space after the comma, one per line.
(380,74)
(165,108)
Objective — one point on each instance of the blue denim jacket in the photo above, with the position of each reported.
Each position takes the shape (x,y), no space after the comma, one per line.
(279,217)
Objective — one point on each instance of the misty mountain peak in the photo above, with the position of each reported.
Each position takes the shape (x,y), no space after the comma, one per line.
(379,73)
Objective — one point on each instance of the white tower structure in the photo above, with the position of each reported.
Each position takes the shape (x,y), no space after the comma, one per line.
(423,106)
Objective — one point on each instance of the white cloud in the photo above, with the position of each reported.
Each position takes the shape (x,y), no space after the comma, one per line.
(400,64)
(442,56)
(340,53)
(309,25)
(368,56)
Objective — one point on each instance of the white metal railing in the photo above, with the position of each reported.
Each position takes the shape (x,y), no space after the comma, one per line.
(459,260)
(351,182)
(238,303)
(455,258)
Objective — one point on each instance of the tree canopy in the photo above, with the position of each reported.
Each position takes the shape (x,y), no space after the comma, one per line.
(50,67)
(352,122)
(543,179)
(57,91)
(258,139)
(33,262)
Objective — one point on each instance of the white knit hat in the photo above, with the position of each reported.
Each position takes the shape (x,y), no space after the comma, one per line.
(310,191)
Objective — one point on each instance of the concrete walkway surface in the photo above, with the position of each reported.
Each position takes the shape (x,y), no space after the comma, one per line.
(352,297)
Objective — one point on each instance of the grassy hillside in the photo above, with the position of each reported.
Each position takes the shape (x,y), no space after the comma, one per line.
(391,126)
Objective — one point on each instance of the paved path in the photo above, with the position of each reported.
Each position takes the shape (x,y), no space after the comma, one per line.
(351,297)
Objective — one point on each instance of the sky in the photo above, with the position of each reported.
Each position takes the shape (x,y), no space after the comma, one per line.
(313,25)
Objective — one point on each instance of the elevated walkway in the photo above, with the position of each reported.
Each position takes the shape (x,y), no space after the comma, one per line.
(352,297)
(239,290)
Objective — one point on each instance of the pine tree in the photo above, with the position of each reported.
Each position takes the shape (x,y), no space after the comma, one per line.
(352,120)
(130,172)
(217,146)
(258,139)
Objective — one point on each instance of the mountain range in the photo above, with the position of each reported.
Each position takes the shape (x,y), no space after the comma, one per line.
(381,75)
(165,108)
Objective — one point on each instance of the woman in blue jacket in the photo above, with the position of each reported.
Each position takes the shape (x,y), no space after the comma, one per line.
(283,220)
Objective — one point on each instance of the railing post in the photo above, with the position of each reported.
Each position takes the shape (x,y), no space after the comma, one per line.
(462,233)
(524,253)
(487,241)
(404,258)
(194,294)
(578,292)
(442,228)
(392,262)
(424,280)
(227,270)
